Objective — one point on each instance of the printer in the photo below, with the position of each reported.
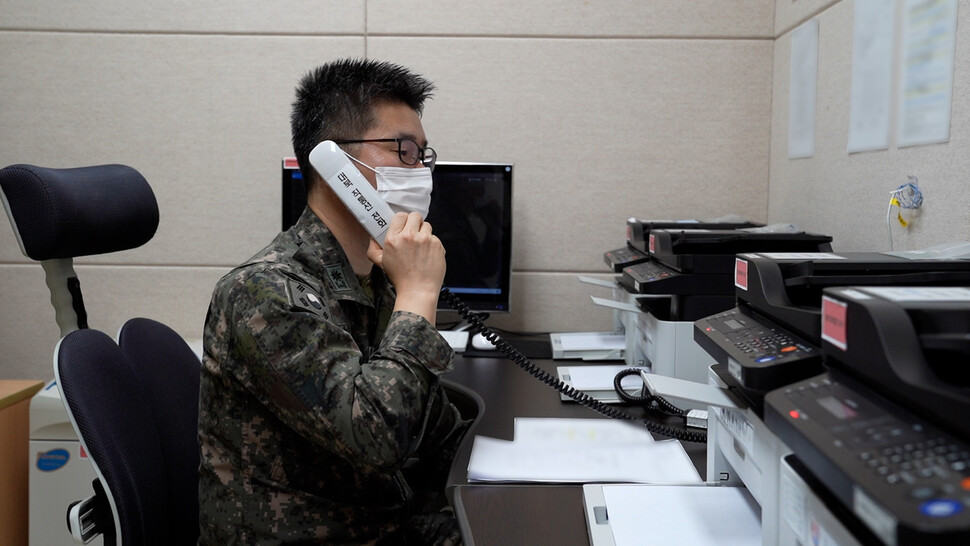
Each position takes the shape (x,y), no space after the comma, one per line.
(695,266)
(771,337)
(883,431)
(689,275)
(638,233)
(60,471)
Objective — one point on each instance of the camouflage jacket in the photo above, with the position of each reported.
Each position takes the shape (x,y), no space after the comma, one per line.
(314,400)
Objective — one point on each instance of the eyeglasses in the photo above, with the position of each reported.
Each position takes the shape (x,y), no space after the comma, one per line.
(407,149)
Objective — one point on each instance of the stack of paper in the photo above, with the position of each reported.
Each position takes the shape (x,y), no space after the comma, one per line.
(645,515)
(580,451)
(588,345)
(597,381)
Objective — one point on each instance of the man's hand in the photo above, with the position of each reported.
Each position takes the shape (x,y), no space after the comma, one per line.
(413,259)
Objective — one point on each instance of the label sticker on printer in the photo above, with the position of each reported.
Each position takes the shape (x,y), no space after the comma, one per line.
(833,322)
(652,245)
(741,273)
(879,520)
(49,461)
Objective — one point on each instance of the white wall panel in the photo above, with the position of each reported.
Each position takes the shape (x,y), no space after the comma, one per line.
(176,296)
(187,16)
(28,331)
(601,130)
(204,118)
(847,195)
(791,13)
(554,302)
(639,18)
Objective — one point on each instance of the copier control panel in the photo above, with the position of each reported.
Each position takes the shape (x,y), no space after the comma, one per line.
(908,481)
(758,356)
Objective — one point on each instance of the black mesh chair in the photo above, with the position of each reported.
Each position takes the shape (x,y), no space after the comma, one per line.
(133,403)
(169,371)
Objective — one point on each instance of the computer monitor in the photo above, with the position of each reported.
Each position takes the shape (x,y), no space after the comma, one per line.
(471,212)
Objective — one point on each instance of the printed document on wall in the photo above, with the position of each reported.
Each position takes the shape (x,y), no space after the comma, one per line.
(926,85)
(802,90)
(872,68)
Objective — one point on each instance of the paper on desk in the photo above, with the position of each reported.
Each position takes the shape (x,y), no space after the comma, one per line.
(579,432)
(661,515)
(505,461)
(599,377)
(591,341)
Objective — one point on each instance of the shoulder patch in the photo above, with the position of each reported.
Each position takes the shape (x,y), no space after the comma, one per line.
(302,297)
(335,274)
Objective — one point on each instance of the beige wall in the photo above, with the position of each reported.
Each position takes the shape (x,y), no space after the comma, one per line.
(847,195)
(614,109)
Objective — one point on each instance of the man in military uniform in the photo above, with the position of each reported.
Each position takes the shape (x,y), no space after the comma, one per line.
(322,417)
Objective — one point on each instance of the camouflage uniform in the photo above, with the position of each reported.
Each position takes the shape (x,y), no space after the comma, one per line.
(317,402)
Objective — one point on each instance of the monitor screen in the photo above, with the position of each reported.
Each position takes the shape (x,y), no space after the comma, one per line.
(471,212)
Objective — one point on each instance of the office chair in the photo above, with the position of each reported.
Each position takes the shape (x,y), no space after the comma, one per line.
(169,369)
(134,403)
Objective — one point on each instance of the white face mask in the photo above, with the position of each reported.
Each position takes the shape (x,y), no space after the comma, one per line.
(403,189)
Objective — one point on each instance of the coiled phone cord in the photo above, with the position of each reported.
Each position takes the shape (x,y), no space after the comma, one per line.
(479,326)
(650,402)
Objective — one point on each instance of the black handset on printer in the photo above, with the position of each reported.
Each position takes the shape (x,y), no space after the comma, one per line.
(374,214)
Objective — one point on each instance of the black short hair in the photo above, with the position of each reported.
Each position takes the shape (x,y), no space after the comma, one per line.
(335,102)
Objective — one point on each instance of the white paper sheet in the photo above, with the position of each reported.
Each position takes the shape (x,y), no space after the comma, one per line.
(599,377)
(929,41)
(587,341)
(917,293)
(661,462)
(664,515)
(580,432)
(872,68)
(802,90)
(800,256)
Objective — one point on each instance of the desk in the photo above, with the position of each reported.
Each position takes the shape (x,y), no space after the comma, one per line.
(502,514)
(14,458)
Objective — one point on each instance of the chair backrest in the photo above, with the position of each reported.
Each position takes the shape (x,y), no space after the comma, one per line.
(135,405)
(111,413)
(169,371)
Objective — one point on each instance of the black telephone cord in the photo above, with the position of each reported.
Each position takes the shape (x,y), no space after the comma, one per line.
(479,326)
(651,402)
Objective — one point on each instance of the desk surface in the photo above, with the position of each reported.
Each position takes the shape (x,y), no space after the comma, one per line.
(504,514)
(521,514)
(15,390)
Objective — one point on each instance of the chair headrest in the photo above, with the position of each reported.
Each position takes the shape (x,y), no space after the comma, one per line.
(63,213)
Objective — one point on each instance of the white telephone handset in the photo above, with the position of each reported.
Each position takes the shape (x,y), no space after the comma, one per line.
(356,193)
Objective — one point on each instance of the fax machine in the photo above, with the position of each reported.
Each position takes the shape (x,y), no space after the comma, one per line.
(689,276)
(771,337)
(695,266)
(638,233)
(884,430)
